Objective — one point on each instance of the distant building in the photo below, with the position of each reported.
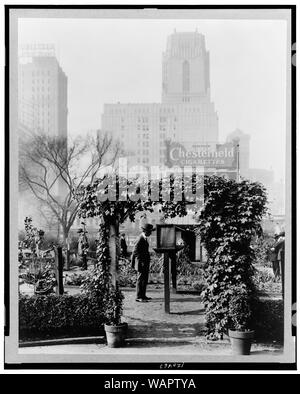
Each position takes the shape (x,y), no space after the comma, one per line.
(243,141)
(42,91)
(185,114)
(276,199)
(185,69)
(42,109)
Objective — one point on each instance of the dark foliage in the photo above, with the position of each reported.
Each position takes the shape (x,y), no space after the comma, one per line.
(98,284)
(42,316)
(268,320)
(230,219)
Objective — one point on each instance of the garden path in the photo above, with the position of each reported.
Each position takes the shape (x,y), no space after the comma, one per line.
(148,320)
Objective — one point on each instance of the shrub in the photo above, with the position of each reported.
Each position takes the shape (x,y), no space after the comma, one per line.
(75,279)
(229,221)
(114,306)
(263,275)
(199,285)
(240,309)
(268,319)
(49,240)
(156,263)
(127,275)
(261,248)
(98,283)
(55,315)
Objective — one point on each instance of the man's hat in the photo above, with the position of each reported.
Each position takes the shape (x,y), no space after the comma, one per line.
(147,227)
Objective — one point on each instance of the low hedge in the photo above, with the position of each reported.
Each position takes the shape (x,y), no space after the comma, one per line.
(65,315)
(269,320)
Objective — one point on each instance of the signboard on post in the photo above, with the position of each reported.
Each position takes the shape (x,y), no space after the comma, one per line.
(166,244)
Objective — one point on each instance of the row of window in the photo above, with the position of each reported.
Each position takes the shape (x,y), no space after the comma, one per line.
(164,120)
(40,72)
(162,111)
(143,120)
(143,152)
(42,81)
(40,96)
(145,143)
(144,136)
(146,160)
(42,88)
(144,128)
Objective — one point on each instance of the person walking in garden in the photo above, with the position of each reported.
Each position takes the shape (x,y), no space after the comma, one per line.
(83,247)
(273,258)
(140,261)
(123,246)
(280,253)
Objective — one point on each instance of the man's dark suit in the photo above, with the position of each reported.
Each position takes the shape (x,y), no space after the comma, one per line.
(280,252)
(140,261)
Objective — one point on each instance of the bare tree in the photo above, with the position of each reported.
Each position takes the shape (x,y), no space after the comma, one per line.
(54,169)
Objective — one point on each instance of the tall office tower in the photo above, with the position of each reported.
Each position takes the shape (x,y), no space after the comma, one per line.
(186,114)
(185,69)
(42,109)
(42,91)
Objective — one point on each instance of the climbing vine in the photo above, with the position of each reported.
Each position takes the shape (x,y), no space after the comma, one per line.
(231,217)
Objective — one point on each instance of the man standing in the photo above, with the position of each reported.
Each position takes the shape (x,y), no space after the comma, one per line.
(140,261)
(280,252)
(83,247)
(273,258)
(123,246)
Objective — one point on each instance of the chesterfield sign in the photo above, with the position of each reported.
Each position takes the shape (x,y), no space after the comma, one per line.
(208,155)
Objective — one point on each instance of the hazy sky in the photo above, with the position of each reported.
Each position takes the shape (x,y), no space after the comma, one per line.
(119,60)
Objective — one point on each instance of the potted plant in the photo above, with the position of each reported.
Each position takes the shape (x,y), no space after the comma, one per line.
(240,314)
(115,330)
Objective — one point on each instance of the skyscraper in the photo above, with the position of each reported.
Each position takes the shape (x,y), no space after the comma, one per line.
(185,69)
(186,113)
(42,91)
(42,109)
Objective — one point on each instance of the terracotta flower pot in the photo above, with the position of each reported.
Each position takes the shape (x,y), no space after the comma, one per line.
(241,341)
(116,335)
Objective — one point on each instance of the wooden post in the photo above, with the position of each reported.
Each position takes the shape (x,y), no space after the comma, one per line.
(173,261)
(59,271)
(84,262)
(282,276)
(167,281)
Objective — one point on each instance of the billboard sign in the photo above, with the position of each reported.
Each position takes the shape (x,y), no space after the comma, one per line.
(208,155)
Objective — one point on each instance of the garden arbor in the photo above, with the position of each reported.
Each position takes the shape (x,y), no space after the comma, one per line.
(114,200)
(228,218)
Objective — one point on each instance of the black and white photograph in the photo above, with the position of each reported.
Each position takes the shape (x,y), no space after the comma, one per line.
(150,188)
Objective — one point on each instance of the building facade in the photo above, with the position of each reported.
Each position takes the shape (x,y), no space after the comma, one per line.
(42,91)
(186,113)
(42,109)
